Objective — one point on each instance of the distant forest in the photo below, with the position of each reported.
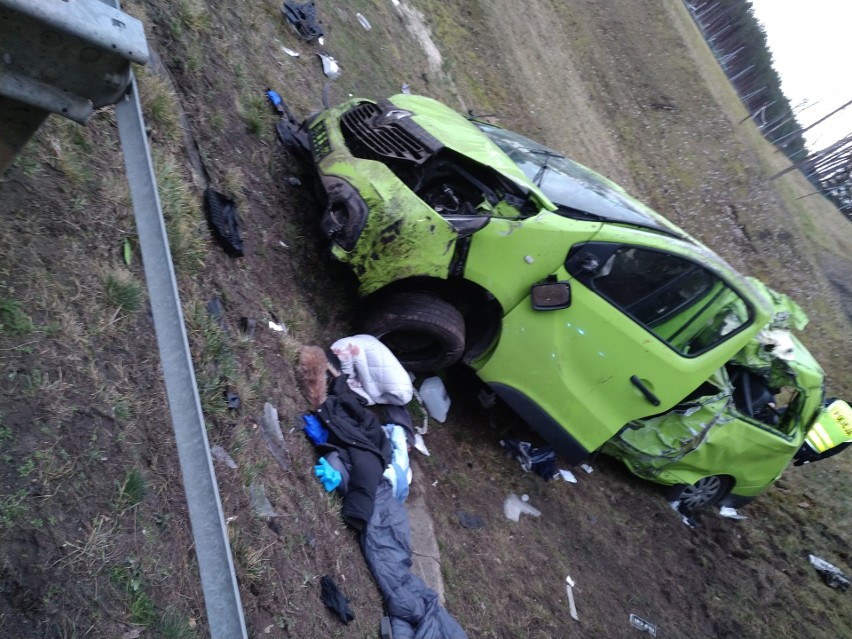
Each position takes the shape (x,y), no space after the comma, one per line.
(739,43)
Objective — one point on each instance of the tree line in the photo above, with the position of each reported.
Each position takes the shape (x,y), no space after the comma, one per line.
(739,43)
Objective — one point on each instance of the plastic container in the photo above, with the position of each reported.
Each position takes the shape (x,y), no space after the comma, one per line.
(435,398)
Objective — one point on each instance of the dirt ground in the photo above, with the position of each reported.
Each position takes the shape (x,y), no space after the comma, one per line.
(93,524)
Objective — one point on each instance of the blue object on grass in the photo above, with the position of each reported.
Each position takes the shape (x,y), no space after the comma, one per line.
(314,430)
(275,99)
(329,477)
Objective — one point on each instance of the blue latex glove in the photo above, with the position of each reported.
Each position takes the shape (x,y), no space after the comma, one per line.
(275,100)
(329,477)
(314,430)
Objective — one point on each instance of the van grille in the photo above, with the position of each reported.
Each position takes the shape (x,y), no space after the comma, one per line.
(372,141)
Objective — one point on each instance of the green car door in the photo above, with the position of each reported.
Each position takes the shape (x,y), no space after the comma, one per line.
(618,332)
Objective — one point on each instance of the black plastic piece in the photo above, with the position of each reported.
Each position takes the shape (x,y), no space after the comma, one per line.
(303,18)
(222,216)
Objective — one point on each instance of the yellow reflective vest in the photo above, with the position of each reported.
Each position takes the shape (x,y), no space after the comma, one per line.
(832,427)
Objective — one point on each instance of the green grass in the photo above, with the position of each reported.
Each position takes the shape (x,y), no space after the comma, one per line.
(132,491)
(122,291)
(13,320)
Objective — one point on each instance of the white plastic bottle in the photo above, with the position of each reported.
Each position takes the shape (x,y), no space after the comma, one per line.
(435,398)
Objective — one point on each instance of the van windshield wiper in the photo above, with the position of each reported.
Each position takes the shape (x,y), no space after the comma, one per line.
(538,178)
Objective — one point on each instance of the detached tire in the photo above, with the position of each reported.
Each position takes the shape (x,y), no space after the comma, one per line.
(421,329)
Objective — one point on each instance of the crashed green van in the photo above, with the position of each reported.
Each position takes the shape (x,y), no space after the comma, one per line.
(593,317)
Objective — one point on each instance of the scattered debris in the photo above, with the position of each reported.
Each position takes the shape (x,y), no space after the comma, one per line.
(273,437)
(364,22)
(472,522)
(831,574)
(220,454)
(260,502)
(569,589)
(278,328)
(303,18)
(335,600)
(329,66)
(217,312)
(248,326)
(731,513)
(587,469)
(643,625)
(567,475)
(406,88)
(541,460)
(422,430)
(290,52)
(685,514)
(420,445)
(435,398)
(232,400)
(514,507)
(222,217)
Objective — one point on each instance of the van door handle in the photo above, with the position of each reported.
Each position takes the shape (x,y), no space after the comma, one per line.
(645,390)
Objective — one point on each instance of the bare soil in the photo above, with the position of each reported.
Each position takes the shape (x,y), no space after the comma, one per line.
(93,524)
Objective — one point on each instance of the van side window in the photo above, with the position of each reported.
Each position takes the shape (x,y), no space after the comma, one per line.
(681,302)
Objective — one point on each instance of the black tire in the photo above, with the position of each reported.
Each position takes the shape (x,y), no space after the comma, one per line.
(425,332)
(704,493)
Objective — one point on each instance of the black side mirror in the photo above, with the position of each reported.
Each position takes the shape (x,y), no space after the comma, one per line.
(550,296)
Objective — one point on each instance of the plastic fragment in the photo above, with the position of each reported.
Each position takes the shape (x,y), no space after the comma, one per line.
(514,507)
(329,66)
(643,625)
(222,217)
(567,475)
(364,22)
(273,437)
(588,469)
(406,88)
(420,445)
(435,398)
(221,455)
(128,254)
(290,52)
(569,589)
(467,520)
(260,502)
(831,574)
(303,19)
(276,101)
(731,513)
(278,328)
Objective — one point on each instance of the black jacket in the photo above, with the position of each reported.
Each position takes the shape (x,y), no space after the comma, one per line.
(358,435)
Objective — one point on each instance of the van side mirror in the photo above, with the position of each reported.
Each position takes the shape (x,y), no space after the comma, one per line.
(550,296)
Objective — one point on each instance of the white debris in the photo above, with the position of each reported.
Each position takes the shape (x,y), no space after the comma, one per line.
(567,475)
(731,513)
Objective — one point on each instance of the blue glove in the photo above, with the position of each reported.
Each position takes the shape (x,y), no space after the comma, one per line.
(329,477)
(314,430)
(275,100)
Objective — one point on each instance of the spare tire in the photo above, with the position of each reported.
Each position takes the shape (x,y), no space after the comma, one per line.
(425,332)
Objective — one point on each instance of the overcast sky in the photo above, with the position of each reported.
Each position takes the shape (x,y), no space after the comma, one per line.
(810,51)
